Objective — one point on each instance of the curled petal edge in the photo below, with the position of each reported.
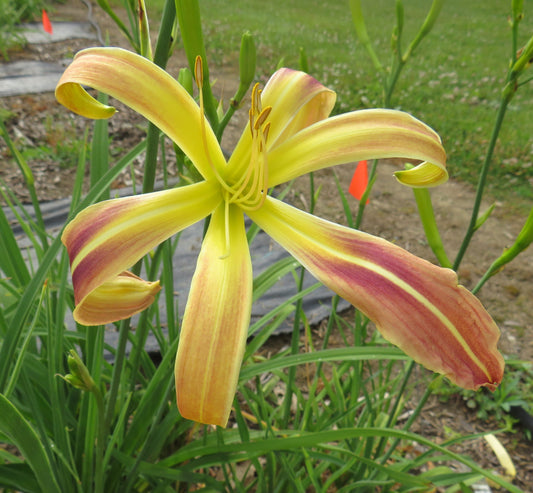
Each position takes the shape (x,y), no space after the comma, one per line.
(147,89)
(360,135)
(109,237)
(116,299)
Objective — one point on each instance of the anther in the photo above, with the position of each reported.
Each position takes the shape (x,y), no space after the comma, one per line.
(262,117)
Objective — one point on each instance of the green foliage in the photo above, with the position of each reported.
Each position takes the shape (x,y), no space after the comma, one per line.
(516,385)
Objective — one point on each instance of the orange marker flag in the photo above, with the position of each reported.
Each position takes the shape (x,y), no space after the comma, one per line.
(47,25)
(359,181)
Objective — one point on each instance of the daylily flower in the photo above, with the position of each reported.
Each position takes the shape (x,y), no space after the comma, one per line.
(416,305)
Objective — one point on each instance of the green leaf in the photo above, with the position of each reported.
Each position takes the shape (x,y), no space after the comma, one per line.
(336,354)
(24,437)
(264,281)
(25,304)
(19,477)
(11,261)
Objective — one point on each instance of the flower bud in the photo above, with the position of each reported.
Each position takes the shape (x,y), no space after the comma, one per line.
(79,376)
(524,59)
(426,27)
(247,59)
(302,62)
(144,32)
(523,240)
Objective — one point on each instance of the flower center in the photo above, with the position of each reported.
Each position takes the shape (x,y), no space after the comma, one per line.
(250,188)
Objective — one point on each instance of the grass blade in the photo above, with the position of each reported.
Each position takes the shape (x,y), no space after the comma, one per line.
(24,437)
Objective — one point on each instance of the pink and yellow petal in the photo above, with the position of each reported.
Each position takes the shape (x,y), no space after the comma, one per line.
(116,299)
(108,237)
(297,101)
(359,135)
(215,323)
(417,306)
(149,90)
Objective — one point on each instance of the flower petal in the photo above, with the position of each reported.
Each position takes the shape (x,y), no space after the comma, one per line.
(119,298)
(149,90)
(297,101)
(359,135)
(107,238)
(416,305)
(215,324)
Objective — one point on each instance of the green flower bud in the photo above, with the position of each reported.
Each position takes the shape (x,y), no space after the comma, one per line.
(525,59)
(79,376)
(362,34)
(144,32)
(303,63)
(427,26)
(523,240)
(247,60)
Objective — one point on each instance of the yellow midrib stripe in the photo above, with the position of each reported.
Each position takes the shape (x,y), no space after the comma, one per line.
(424,301)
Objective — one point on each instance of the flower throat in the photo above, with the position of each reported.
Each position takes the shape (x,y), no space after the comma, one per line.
(250,189)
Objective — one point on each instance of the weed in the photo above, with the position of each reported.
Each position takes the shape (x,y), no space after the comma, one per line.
(497,405)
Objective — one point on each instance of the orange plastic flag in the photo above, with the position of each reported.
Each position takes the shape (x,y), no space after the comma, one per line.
(359,181)
(47,25)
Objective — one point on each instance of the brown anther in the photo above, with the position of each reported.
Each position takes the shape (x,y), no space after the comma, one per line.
(262,117)
(250,120)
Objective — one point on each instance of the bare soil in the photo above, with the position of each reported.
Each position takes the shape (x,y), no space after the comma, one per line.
(38,120)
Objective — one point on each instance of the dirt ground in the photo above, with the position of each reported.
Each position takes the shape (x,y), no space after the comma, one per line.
(38,120)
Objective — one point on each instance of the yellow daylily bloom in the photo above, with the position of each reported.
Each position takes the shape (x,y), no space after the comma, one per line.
(415,305)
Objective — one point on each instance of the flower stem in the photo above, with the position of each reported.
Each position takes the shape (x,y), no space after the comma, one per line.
(99,477)
(483,179)
(295,347)
(161,54)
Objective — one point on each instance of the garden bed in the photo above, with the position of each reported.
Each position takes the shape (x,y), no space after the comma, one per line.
(50,138)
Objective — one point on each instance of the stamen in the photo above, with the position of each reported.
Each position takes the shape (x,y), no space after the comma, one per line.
(226,231)
(262,117)
(199,78)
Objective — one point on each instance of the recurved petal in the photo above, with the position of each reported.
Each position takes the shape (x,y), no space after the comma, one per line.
(149,90)
(116,299)
(359,135)
(108,237)
(417,306)
(215,324)
(297,100)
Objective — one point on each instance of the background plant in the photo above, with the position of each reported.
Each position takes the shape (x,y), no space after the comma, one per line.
(12,14)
